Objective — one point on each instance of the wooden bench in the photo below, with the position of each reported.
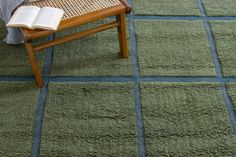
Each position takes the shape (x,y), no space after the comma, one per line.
(77,12)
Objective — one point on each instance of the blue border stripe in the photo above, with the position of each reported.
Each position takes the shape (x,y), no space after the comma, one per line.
(139,120)
(123,79)
(224,91)
(213,49)
(38,122)
(90,79)
(190,18)
(133,47)
(229,79)
(16,78)
(211,41)
(179,79)
(48,59)
(201,8)
(229,106)
(150,17)
(137,90)
(140,78)
(35,151)
(221,18)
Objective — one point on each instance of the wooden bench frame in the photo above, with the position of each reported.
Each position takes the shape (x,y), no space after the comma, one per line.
(120,23)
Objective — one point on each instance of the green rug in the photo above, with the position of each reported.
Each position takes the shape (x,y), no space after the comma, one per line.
(173,48)
(98,119)
(95,55)
(166,7)
(224,34)
(14,59)
(18,103)
(186,119)
(89,119)
(220,7)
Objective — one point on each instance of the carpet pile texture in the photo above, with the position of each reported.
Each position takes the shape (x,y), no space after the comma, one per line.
(168,99)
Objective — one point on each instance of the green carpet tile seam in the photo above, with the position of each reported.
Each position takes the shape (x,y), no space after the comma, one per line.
(137,88)
(218,68)
(35,150)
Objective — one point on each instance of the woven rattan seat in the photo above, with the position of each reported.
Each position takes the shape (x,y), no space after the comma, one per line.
(77,12)
(75,8)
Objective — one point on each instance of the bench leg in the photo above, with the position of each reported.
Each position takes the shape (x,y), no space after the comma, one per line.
(34,64)
(122,35)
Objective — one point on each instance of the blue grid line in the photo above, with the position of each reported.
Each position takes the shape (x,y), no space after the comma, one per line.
(140,78)
(35,151)
(38,122)
(179,79)
(91,79)
(17,78)
(213,49)
(201,8)
(229,106)
(190,18)
(229,79)
(48,59)
(124,79)
(224,91)
(137,90)
(221,18)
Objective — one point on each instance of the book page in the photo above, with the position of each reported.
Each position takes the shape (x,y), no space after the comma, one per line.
(48,18)
(24,16)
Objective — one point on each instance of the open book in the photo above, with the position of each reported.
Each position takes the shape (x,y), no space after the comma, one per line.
(33,17)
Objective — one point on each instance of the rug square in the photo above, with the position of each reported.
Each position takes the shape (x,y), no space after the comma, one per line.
(186,119)
(89,119)
(14,59)
(95,55)
(224,34)
(173,48)
(166,7)
(220,7)
(18,102)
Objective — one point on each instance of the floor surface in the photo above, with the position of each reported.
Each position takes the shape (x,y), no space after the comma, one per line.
(175,96)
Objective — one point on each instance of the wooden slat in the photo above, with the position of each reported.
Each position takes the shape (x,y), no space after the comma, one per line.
(76,36)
